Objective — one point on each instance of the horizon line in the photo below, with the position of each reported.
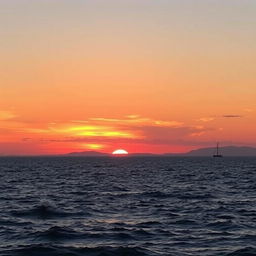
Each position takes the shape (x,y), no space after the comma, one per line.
(106,154)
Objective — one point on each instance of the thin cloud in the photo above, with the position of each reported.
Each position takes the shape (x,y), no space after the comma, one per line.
(209,119)
(197,134)
(232,116)
(135,120)
(135,129)
(6,115)
(206,119)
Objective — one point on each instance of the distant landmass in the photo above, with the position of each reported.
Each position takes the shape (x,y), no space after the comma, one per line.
(87,153)
(96,153)
(225,151)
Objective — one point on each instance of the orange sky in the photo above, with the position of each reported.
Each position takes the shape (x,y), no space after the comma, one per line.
(146,76)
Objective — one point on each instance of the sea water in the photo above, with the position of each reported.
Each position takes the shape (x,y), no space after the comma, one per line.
(127,206)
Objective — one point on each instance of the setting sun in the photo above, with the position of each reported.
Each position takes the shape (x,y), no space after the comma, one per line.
(120,152)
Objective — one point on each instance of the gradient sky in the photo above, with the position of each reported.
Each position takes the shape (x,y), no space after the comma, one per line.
(143,75)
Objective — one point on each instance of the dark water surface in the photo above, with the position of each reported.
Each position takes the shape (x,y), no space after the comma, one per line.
(127,206)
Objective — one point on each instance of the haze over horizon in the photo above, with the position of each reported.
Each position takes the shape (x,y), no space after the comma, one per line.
(145,76)
(227,151)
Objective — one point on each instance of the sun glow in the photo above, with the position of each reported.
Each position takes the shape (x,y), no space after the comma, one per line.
(98,131)
(94,146)
(120,152)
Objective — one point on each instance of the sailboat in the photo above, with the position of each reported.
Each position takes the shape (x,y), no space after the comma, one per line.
(217,151)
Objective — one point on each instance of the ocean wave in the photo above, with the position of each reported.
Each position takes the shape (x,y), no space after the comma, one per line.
(184,222)
(44,210)
(57,233)
(62,207)
(248,251)
(223,225)
(130,233)
(49,250)
(196,196)
(147,224)
(68,233)
(156,194)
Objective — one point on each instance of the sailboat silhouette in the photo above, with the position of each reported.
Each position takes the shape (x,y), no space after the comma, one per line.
(217,151)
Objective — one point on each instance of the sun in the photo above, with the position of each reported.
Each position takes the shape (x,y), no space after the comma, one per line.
(120,152)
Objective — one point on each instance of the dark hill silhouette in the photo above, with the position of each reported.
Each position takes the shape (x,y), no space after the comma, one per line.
(87,153)
(225,151)
(95,153)
(143,154)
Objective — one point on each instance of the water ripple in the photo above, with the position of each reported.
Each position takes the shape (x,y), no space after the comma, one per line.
(131,206)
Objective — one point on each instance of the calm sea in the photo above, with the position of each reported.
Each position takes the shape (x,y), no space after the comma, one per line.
(127,206)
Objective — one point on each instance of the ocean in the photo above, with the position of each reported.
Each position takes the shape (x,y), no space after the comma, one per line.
(127,206)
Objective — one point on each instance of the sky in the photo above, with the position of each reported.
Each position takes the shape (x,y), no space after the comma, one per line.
(142,75)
